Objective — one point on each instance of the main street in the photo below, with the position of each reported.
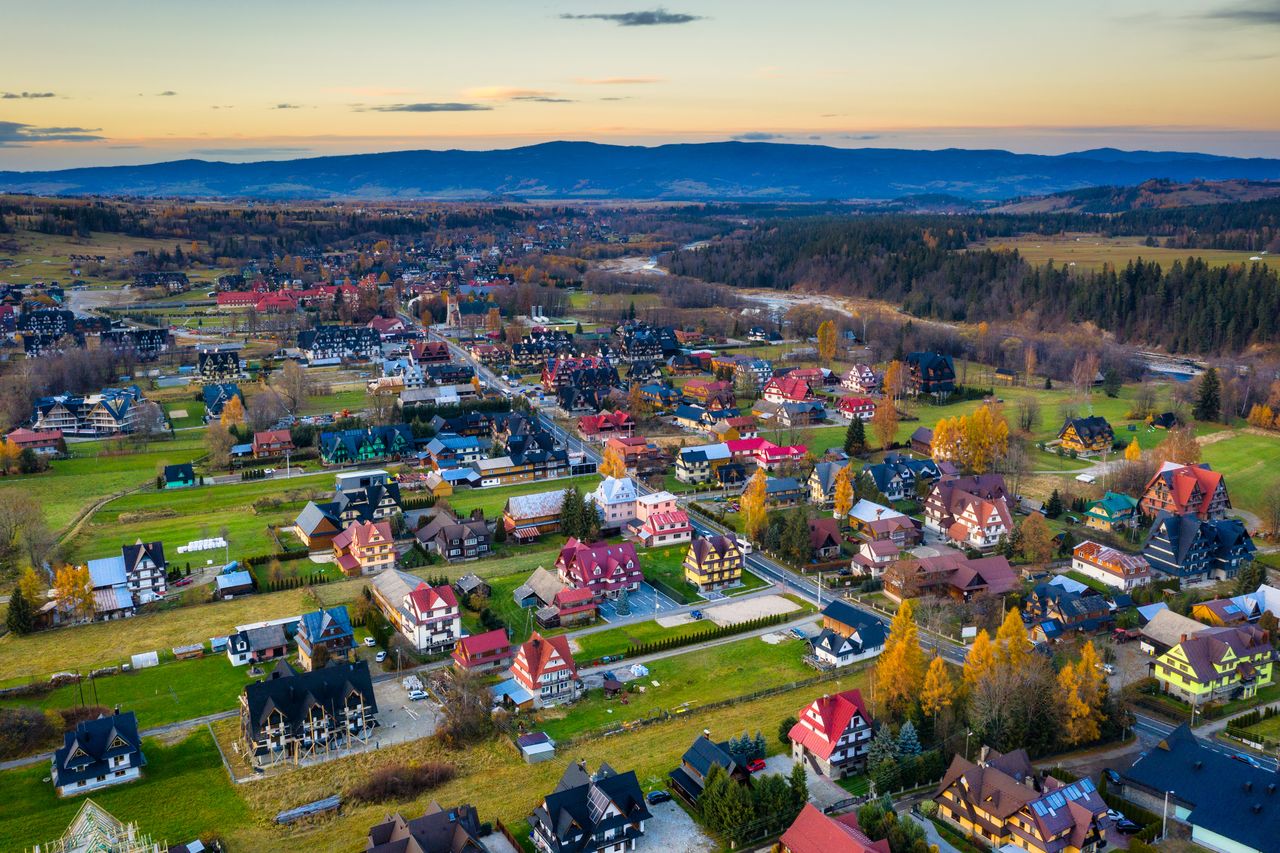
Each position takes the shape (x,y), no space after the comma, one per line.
(757,562)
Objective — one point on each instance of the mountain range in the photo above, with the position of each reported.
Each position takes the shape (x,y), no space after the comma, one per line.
(712,171)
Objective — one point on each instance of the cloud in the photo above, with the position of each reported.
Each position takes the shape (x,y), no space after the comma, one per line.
(430,107)
(1261,12)
(656,17)
(757,136)
(618,81)
(249,151)
(14,96)
(286,107)
(860,137)
(15,134)
(167,93)
(542,99)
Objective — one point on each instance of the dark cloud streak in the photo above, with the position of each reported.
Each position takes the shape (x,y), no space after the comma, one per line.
(15,134)
(1262,13)
(653,18)
(434,107)
(15,96)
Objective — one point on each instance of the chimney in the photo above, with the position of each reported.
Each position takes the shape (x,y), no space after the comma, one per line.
(1248,785)
(117,711)
(982,755)
(1183,639)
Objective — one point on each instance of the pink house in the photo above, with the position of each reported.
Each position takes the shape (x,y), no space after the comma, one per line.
(660,521)
(603,568)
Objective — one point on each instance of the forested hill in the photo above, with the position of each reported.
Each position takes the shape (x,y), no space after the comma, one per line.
(922,263)
(702,171)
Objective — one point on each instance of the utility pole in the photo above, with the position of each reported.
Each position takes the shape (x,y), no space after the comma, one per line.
(1164,818)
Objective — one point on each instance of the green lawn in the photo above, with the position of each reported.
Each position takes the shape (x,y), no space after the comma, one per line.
(667,565)
(1092,583)
(193,408)
(184,793)
(493,500)
(179,690)
(201,512)
(97,470)
(616,641)
(352,399)
(1251,464)
(696,678)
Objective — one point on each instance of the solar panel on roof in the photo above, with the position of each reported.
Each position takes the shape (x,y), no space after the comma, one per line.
(1039,807)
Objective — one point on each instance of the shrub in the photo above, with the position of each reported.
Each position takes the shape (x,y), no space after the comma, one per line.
(25,730)
(72,717)
(402,782)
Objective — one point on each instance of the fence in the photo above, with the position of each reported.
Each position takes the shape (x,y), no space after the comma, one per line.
(506,833)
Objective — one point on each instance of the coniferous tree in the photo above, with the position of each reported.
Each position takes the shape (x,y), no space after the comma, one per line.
(1209,397)
(855,438)
(19,619)
(908,740)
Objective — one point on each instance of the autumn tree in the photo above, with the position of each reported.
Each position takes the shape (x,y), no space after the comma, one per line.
(32,586)
(1036,539)
(885,421)
(843,494)
(1133,452)
(985,439)
(827,340)
(1085,372)
(894,381)
(1081,694)
(1011,641)
(232,412)
(73,590)
(1180,446)
(611,464)
(939,692)
(637,403)
(755,517)
(900,669)
(980,661)
(946,439)
(218,441)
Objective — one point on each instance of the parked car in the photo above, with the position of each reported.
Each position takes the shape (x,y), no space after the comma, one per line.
(1107,668)
(755,765)
(417,695)
(656,797)
(1115,815)
(1127,827)
(370,642)
(798,634)
(696,614)
(380,657)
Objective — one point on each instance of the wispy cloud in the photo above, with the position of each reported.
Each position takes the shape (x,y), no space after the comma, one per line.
(430,107)
(167,93)
(14,134)
(757,136)
(286,107)
(505,93)
(654,18)
(15,96)
(618,81)
(1263,13)
(249,151)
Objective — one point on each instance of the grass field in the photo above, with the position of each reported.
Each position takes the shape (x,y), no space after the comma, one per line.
(180,690)
(616,641)
(353,399)
(667,565)
(184,794)
(1091,251)
(1251,463)
(699,677)
(493,500)
(43,257)
(95,471)
(193,418)
(201,512)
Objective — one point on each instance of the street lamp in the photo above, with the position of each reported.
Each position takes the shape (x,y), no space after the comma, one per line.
(1164,818)
(968,733)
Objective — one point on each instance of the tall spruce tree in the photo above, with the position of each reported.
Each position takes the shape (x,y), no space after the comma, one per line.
(855,438)
(1209,397)
(19,619)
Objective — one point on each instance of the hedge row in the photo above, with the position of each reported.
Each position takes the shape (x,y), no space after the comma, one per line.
(639,649)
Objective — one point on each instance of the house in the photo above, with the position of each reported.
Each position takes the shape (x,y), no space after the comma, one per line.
(824,539)
(94,829)
(1086,436)
(590,813)
(368,444)
(874,556)
(615,500)
(43,442)
(753,372)
(709,393)
(330,628)
(970,511)
(270,443)
(605,424)
(1112,567)
(690,777)
(603,568)
(257,644)
(833,735)
(713,562)
(1228,804)
(930,373)
(815,832)
(861,379)
(822,483)
(848,635)
(660,521)
(112,411)
(1165,629)
(455,830)
(1066,609)
(487,652)
(316,526)
(856,408)
(1003,800)
(872,521)
(216,395)
(1192,549)
(787,389)
(1113,513)
(900,477)
(1217,664)
(364,548)
(1227,612)
(469,585)
(454,539)
(950,574)
(696,465)
(137,576)
(922,442)
(528,517)
(340,343)
(428,617)
(179,476)
(783,492)
(97,753)
(293,715)
(230,584)
(544,667)
(539,590)
(1182,489)
(218,363)
(640,458)
(567,608)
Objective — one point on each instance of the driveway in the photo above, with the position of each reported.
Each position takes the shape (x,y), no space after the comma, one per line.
(672,831)
(823,793)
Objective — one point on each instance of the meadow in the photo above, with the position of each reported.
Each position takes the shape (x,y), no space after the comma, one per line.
(1251,462)
(494,499)
(1092,251)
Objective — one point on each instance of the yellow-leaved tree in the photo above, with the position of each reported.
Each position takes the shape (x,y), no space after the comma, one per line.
(1036,539)
(826,340)
(1012,650)
(232,412)
(885,421)
(939,691)
(1082,693)
(981,660)
(1133,453)
(900,668)
(611,465)
(32,586)
(985,438)
(752,506)
(74,590)
(843,495)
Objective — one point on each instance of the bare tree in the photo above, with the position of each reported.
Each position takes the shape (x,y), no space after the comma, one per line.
(265,409)
(1028,412)
(294,385)
(1085,373)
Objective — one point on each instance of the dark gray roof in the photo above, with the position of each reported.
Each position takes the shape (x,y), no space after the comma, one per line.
(86,752)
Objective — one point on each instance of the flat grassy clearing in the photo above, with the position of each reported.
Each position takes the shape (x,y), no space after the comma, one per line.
(493,500)
(491,775)
(193,418)
(698,677)
(616,641)
(184,793)
(667,565)
(1092,251)
(613,301)
(43,257)
(1251,463)
(95,471)
(107,643)
(169,693)
(201,512)
(352,399)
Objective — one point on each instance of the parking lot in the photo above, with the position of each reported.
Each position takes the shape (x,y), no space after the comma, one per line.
(644,601)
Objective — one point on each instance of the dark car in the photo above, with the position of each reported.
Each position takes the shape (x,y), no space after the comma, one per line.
(656,797)
(1127,827)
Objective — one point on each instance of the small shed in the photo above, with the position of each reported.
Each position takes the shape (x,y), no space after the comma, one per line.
(612,687)
(536,747)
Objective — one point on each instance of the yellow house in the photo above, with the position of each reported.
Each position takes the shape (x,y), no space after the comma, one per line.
(713,562)
(1086,435)
(1217,664)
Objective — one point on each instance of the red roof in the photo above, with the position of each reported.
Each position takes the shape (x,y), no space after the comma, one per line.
(792,388)
(833,716)
(23,436)
(537,651)
(486,643)
(1183,480)
(814,832)
(599,567)
(361,532)
(272,436)
(425,597)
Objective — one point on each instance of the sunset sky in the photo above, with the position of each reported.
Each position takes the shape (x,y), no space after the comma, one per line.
(127,81)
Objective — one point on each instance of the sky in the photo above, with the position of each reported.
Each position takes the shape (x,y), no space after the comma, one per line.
(123,82)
